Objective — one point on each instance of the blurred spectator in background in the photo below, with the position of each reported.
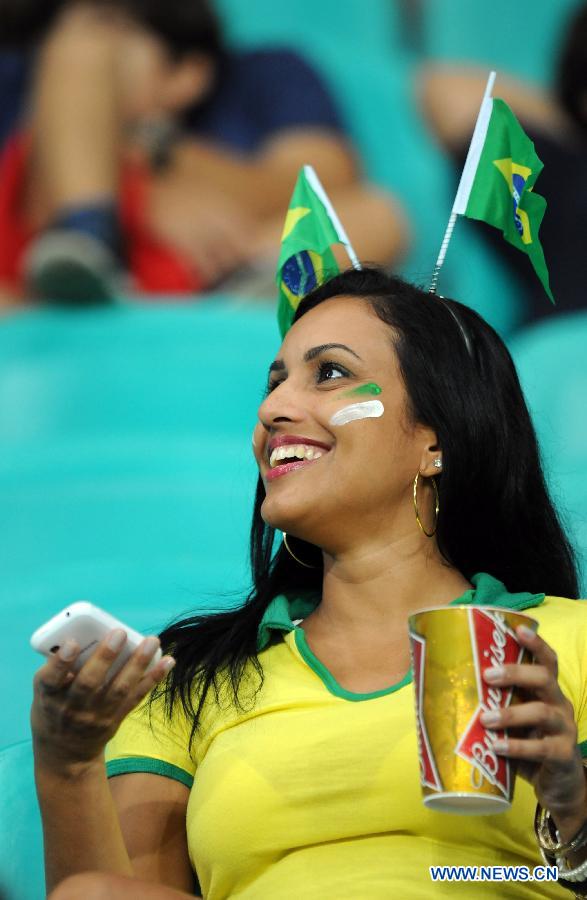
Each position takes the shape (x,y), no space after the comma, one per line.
(557,123)
(133,138)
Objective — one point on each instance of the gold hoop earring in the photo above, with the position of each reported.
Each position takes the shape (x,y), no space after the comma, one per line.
(428,534)
(291,553)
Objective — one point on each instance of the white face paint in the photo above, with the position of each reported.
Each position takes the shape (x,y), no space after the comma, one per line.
(368,409)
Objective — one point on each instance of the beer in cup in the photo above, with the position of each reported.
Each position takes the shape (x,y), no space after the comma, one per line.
(451,647)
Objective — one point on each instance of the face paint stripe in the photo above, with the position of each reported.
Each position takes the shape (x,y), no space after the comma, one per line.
(371,389)
(369,409)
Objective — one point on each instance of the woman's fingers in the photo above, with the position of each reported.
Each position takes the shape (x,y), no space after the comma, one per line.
(92,676)
(56,673)
(90,686)
(544,741)
(551,749)
(548,716)
(537,679)
(541,651)
(536,714)
(126,685)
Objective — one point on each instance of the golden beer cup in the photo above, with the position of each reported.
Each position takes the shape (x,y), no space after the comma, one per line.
(451,647)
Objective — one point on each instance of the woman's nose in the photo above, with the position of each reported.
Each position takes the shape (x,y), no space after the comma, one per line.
(281,405)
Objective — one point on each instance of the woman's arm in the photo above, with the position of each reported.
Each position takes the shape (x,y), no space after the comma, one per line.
(81,830)
(73,717)
(221,210)
(152,814)
(97,886)
(134,826)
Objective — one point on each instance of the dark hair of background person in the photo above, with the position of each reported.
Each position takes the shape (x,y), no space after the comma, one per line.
(23,21)
(571,82)
(186,26)
(495,512)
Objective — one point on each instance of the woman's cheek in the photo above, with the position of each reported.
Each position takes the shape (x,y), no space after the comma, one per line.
(259,440)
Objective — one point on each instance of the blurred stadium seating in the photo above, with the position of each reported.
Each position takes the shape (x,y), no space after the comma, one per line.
(126,473)
(552,363)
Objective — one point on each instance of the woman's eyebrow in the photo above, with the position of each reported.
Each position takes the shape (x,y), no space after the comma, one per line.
(277,365)
(311,354)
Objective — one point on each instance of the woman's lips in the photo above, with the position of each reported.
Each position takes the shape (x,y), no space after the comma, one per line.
(283,469)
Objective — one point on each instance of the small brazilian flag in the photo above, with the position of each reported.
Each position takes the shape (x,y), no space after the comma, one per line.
(498,180)
(306,259)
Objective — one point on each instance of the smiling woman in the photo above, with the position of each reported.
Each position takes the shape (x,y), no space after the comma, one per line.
(279,757)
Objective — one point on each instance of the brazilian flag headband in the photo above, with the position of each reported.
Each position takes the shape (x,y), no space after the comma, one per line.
(497,184)
(306,260)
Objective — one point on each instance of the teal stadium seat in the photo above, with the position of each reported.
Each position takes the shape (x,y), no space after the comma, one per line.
(520,38)
(126,472)
(305,24)
(21,847)
(552,364)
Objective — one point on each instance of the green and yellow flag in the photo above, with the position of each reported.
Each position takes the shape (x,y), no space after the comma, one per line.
(306,260)
(498,181)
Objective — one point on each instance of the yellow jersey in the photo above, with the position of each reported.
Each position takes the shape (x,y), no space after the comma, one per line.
(311,791)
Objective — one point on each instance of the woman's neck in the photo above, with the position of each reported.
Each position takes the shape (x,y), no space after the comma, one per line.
(378,587)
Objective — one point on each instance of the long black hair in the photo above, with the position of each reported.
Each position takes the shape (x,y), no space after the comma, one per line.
(495,512)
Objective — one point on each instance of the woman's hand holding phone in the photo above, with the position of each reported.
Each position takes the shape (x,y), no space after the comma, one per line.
(74,714)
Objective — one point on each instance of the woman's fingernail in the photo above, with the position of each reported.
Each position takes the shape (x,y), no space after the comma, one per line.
(500,746)
(525,632)
(116,639)
(149,647)
(167,664)
(494,673)
(68,650)
(490,718)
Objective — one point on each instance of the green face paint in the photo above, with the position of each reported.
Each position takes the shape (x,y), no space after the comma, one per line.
(371,390)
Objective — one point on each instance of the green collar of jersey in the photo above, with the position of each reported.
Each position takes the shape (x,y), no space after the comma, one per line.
(486,591)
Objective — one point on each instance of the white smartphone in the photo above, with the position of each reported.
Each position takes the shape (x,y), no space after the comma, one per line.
(87,625)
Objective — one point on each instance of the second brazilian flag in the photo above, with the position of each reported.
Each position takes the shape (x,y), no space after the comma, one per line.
(498,180)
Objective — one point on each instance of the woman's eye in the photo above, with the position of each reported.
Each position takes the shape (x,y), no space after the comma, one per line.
(273,383)
(328,371)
